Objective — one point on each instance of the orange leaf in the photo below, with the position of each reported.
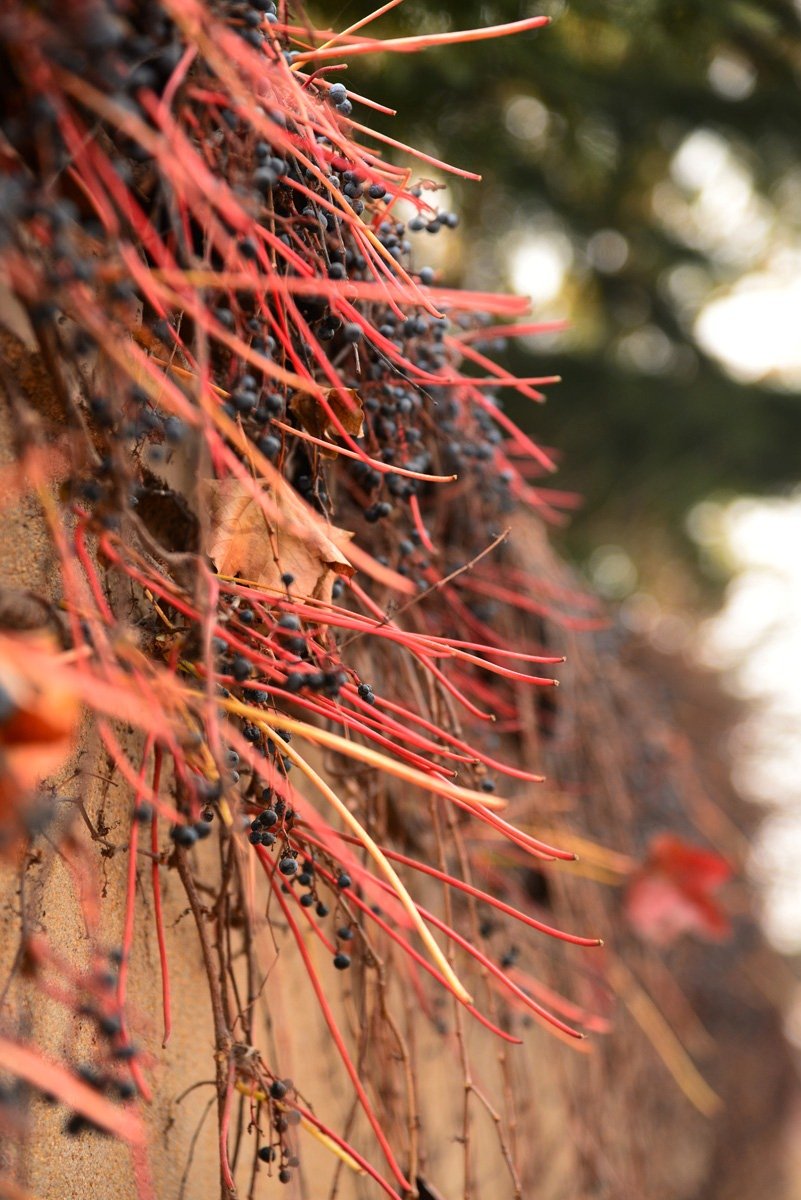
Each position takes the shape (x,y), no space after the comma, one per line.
(37,734)
(262,539)
(672,893)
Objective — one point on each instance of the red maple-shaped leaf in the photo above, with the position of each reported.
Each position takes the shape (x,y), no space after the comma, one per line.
(672,892)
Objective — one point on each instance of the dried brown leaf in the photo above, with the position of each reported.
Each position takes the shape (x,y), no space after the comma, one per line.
(263,541)
(315,419)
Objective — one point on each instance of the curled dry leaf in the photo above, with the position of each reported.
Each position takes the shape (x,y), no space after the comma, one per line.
(261,540)
(315,420)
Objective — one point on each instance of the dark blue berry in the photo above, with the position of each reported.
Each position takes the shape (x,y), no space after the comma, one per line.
(240,668)
(174,430)
(183,835)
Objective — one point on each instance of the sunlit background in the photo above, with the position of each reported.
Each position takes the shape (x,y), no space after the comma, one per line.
(752,326)
(756,639)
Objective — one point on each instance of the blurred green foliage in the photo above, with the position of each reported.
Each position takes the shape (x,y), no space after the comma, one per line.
(576,129)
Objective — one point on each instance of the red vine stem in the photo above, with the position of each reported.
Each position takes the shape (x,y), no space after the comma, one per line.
(157,904)
(485,897)
(331,1023)
(128,928)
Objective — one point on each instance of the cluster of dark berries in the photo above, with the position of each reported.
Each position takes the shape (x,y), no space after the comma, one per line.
(283,1118)
(338,95)
(187,835)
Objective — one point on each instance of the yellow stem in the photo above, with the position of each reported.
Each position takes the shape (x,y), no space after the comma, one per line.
(619,866)
(664,1041)
(334,741)
(329,1143)
(379,12)
(383,864)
